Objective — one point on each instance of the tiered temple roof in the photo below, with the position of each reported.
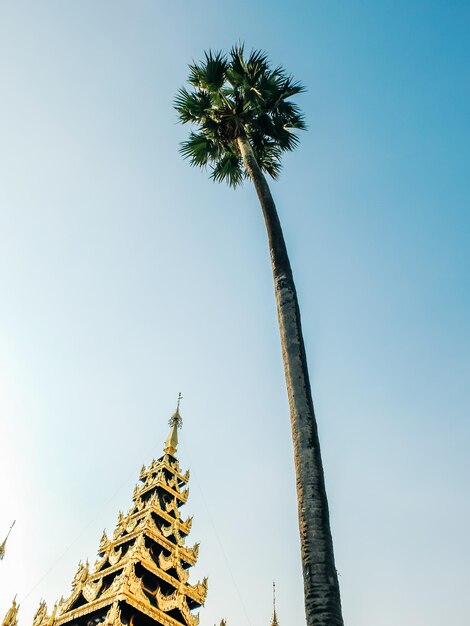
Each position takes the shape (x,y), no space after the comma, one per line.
(141,576)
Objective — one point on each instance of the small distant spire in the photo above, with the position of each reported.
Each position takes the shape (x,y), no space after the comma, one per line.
(175,421)
(274,621)
(3,545)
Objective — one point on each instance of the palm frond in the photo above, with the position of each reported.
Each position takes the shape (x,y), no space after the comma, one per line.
(292,87)
(229,168)
(268,157)
(192,106)
(210,74)
(199,149)
(257,66)
(237,66)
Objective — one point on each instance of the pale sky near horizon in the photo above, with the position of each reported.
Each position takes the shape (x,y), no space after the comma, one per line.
(127,276)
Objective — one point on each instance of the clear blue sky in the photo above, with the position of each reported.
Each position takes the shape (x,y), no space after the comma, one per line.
(126,277)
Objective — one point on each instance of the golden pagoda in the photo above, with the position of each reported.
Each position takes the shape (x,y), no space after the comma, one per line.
(141,575)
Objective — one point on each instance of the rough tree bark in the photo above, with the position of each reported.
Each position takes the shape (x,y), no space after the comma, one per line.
(321,588)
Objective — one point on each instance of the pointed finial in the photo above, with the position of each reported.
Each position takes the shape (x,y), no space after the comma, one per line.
(175,421)
(3,545)
(176,417)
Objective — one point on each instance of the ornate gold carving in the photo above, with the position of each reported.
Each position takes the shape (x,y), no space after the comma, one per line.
(60,605)
(167,603)
(172,506)
(134,521)
(194,551)
(131,524)
(173,482)
(173,529)
(65,604)
(119,526)
(160,480)
(133,584)
(148,522)
(201,588)
(126,523)
(41,617)
(11,618)
(113,616)
(153,501)
(104,543)
(138,551)
(174,561)
(114,556)
(80,576)
(100,563)
(91,589)
(115,586)
(79,612)
(176,600)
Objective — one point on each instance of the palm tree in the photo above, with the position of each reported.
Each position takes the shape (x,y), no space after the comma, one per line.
(243,120)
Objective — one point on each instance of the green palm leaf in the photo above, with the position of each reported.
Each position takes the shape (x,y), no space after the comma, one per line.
(229,169)
(199,149)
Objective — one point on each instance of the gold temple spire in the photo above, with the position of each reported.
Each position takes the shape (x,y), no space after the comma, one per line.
(175,422)
(3,545)
(141,575)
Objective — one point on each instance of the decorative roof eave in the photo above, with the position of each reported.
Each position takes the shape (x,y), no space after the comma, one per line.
(197,593)
(88,584)
(125,595)
(42,618)
(188,555)
(130,521)
(165,463)
(155,464)
(160,482)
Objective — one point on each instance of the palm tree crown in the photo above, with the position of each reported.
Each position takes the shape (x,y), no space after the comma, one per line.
(234,97)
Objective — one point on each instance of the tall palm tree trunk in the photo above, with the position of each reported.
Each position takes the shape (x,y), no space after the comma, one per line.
(321,589)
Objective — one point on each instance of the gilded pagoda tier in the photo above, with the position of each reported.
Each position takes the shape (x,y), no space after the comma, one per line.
(141,576)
